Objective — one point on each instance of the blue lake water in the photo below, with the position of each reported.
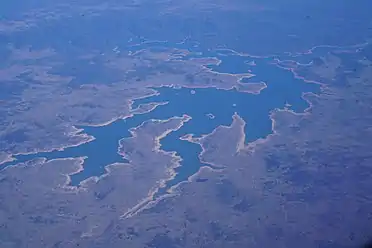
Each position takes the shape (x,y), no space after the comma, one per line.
(282,88)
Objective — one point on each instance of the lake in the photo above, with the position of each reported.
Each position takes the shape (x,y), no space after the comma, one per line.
(282,90)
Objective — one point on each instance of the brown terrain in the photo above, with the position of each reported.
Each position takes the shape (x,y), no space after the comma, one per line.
(296,185)
(306,184)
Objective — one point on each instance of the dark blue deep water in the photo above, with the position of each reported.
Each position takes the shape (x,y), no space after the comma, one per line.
(282,88)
